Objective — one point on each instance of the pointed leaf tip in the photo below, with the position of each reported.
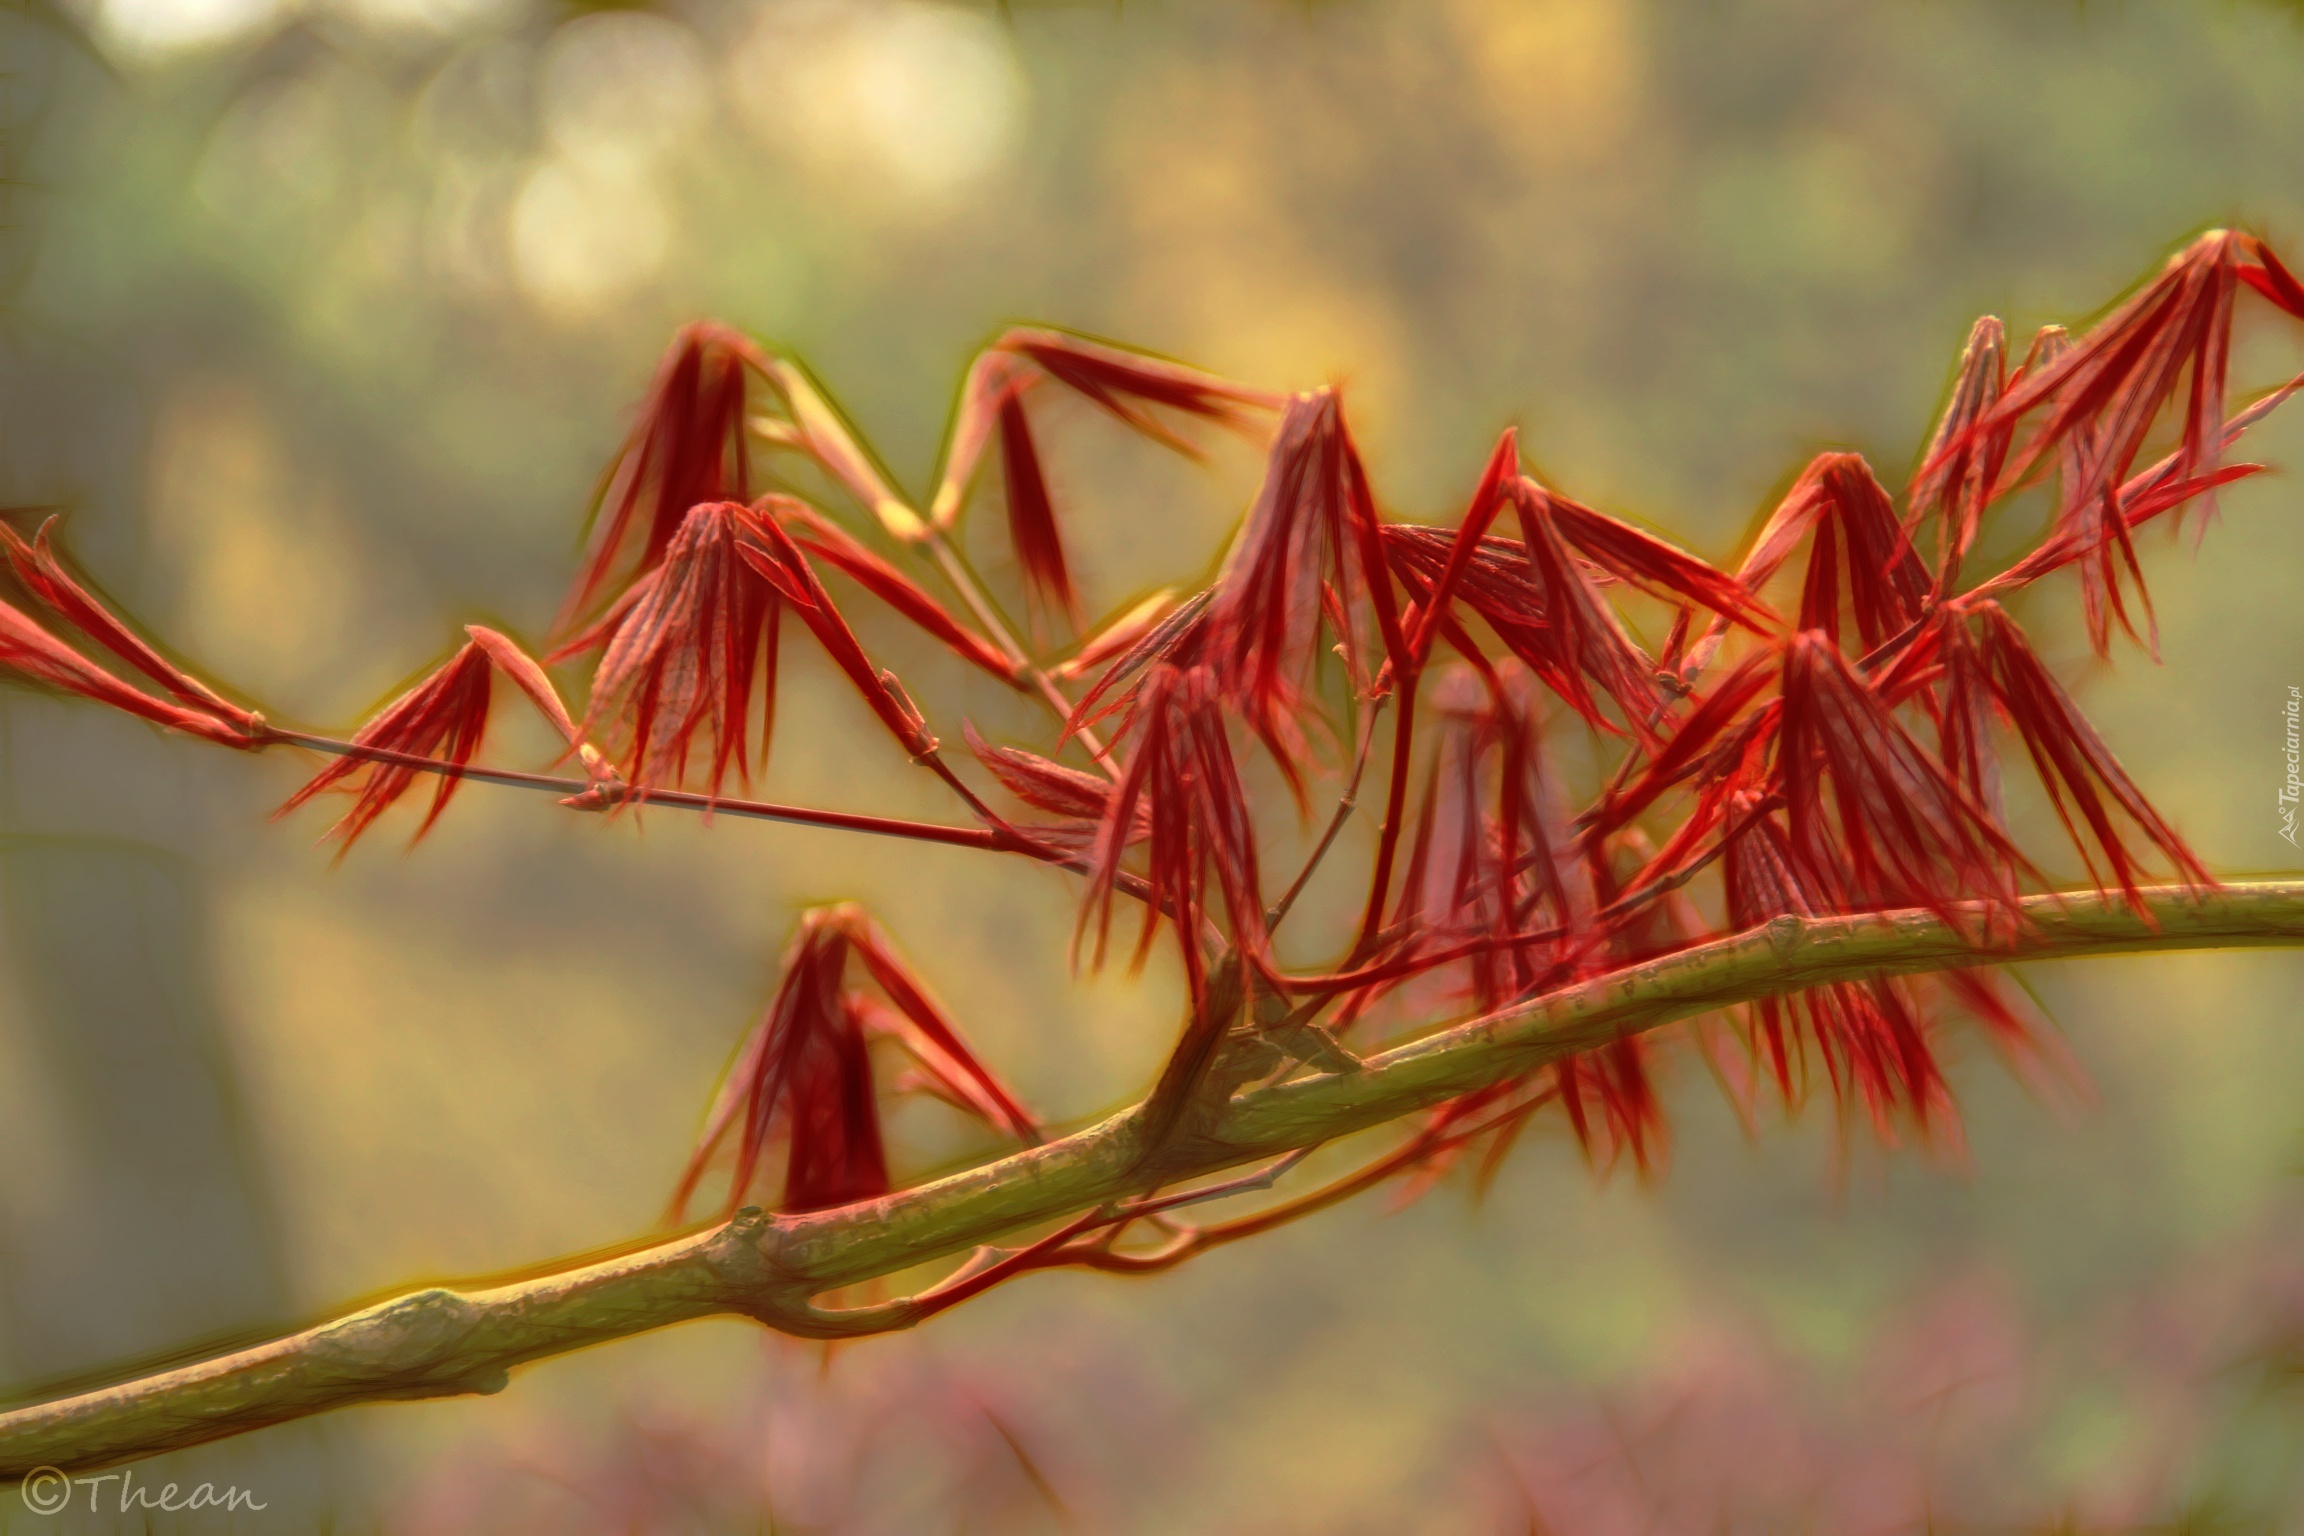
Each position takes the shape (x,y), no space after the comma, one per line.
(441,718)
(688,446)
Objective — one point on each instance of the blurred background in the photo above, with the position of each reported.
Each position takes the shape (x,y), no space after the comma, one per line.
(319,319)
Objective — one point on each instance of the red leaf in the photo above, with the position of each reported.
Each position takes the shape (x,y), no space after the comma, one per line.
(1874,1046)
(1611,1102)
(1488,499)
(683,659)
(1489,881)
(827,540)
(1120,635)
(1496,584)
(1314,522)
(2104,393)
(2145,496)
(517,665)
(1125,382)
(2079,772)
(1031,515)
(835,1156)
(1962,466)
(1901,832)
(1182,780)
(38,568)
(1685,748)
(934,1042)
(1038,782)
(803,1073)
(2273,280)
(39,657)
(770,551)
(442,717)
(1838,498)
(1625,551)
(1579,636)
(1176,639)
(687,447)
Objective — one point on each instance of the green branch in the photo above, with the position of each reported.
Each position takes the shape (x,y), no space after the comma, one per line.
(439,1342)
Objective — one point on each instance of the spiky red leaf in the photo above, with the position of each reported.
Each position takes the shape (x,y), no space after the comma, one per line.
(1899,830)
(1032,527)
(687,447)
(1182,781)
(683,660)
(1176,639)
(1314,522)
(2273,280)
(443,717)
(1041,782)
(1125,382)
(1874,1045)
(1647,561)
(1120,635)
(37,566)
(39,657)
(2078,770)
(1488,499)
(1961,465)
(830,542)
(771,552)
(925,1030)
(1580,642)
(803,1073)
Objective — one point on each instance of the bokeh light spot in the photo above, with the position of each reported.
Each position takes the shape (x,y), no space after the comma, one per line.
(930,94)
(584,234)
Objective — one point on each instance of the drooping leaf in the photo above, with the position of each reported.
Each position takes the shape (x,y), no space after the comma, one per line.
(1032,529)
(1313,522)
(686,448)
(442,717)
(828,541)
(38,657)
(683,661)
(38,567)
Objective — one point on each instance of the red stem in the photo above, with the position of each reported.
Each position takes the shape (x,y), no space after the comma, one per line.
(1395,811)
(848,821)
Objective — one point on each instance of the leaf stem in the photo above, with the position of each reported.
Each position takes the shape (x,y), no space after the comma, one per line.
(987,838)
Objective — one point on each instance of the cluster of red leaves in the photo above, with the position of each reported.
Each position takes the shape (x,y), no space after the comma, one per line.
(804,1073)
(2094,403)
(1493,868)
(1841,762)
(689,646)
(1132,387)
(441,719)
(38,656)
(1181,797)
(688,446)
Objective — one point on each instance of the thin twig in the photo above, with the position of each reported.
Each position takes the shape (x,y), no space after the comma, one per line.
(972,593)
(585,790)
(1345,804)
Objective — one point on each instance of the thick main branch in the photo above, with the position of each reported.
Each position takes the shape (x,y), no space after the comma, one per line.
(442,1342)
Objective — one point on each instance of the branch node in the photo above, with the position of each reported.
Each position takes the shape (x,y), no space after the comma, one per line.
(1786,931)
